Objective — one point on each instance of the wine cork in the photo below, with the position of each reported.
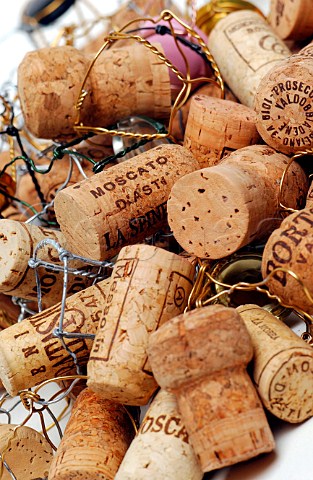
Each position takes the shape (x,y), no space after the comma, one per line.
(291,19)
(121,206)
(283,104)
(26,452)
(201,356)
(282,366)
(148,287)
(95,440)
(18,241)
(121,82)
(245,48)
(216,127)
(309,198)
(9,312)
(31,352)
(291,247)
(217,210)
(161,449)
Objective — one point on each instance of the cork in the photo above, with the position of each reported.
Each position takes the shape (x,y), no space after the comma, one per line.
(245,48)
(309,197)
(18,241)
(283,104)
(95,440)
(282,365)
(290,247)
(201,357)
(26,452)
(123,205)
(291,19)
(9,312)
(217,210)
(123,81)
(161,449)
(148,287)
(30,352)
(216,127)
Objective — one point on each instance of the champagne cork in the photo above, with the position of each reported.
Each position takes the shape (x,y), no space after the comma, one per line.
(216,127)
(291,247)
(148,287)
(283,104)
(245,48)
(161,449)
(95,440)
(31,352)
(282,366)
(217,210)
(18,241)
(291,19)
(121,82)
(201,356)
(121,206)
(26,452)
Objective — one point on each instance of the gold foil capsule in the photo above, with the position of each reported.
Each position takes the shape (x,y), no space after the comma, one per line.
(212,12)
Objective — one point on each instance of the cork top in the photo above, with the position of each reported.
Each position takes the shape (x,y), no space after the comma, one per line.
(198,343)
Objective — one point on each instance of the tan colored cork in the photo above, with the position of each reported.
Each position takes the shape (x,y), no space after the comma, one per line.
(95,440)
(123,81)
(217,127)
(26,452)
(30,352)
(245,48)
(282,366)
(309,198)
(18,241)
(283,104)
(291,19)
(9,311)
(148,287)
(201,357)
(161,449)
(123,205)
(291,247)
(217,210)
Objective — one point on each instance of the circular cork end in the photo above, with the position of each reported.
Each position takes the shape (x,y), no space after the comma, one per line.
(210,210)
(291,19)
(26,452)
(291,247)
(15,250)
(193,345)
(283,104)
(216,127)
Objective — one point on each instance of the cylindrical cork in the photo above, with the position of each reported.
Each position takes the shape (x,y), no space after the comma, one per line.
(283,365)
(291,247)
(217,210)
(18,241)
(122,81)
(95,440)
(283,104)
(31,352)
(26,452)
(161,449)
(217,127)
(309,198)
(201,357)
(245,48)
(291,19)
(123,205)
(148,287)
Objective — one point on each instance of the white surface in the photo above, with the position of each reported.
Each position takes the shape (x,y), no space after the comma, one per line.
(292,457)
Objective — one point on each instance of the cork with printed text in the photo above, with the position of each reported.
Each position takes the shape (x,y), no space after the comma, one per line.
(291,19)
(161,449)
(31,352)
(95,440)
(123,205)
(148,287)
(282,365)
(290,247)
(201,357)
(25,451)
